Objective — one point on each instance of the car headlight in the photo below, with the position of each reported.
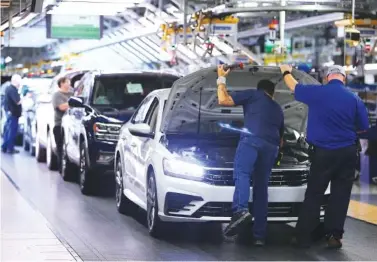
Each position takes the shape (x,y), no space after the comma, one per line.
(106,132)
(182,169)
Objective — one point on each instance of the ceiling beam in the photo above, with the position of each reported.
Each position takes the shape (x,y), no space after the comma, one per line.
(310,21)
(290,8)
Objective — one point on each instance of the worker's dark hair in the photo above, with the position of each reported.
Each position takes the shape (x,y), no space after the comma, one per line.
(62,80)
(267,86)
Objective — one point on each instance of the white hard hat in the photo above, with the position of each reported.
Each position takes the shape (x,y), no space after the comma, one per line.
(336,69)
(16,80)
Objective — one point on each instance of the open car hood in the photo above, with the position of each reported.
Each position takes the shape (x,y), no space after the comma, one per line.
(199,89)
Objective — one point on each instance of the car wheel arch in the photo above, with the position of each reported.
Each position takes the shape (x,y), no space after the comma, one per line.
(82,139)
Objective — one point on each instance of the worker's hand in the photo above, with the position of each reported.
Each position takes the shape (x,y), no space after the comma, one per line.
(284,68)
(221,71)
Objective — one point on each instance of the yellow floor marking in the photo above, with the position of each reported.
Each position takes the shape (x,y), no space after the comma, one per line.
(363,211)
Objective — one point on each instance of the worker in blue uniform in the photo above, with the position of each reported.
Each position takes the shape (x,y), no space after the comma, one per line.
(336,116)
(256,153)
(371,151)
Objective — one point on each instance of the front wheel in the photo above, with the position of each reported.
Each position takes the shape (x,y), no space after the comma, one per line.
(69,171)
(155,225)
(26,144)
(40,151)
(124,205)
(85,176)
(52,160)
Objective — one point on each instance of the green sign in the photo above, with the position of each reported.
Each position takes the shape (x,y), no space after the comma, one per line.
(75,27)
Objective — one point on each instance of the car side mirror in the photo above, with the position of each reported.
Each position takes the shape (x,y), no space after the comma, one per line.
(76,101)
(141,130)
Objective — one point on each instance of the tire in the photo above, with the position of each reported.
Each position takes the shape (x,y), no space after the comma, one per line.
(86,180)
(68,169)
(26,145)
(40,151)
(51,159)
(32,150)
(154,223)
(19,140)
(123,204)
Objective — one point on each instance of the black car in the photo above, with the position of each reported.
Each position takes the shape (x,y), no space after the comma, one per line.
(102,103)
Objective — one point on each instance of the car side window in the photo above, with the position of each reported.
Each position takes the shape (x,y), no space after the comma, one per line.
(85,87)
(141,113)
(152,115)
(80,87)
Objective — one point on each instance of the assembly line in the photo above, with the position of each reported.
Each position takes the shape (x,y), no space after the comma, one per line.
(184,130)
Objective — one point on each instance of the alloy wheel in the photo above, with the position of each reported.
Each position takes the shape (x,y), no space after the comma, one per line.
(118,184)
(82,168)
(151,198)
(64,160)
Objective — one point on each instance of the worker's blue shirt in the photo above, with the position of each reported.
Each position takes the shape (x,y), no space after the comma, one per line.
(264,117)
(335,114)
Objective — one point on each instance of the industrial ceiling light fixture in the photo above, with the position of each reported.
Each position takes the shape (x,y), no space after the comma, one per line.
(8,59)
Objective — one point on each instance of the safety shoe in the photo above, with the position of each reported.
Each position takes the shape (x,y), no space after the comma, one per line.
(14,151)
(259,243)
(238,220)
(334,243)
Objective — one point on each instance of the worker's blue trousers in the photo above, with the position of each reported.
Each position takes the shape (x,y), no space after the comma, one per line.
(254,159)
(10,133)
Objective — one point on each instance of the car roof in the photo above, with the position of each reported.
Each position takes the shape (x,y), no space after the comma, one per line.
(162,94)
(144,72)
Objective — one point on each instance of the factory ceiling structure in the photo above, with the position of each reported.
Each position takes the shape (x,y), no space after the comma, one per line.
(131,28)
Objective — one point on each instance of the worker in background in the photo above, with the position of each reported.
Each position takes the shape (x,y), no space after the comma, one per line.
(371,150)
(13,109)
(256,152)
(60,104)
(336,116)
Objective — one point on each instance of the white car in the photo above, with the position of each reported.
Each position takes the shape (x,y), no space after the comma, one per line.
(174,158)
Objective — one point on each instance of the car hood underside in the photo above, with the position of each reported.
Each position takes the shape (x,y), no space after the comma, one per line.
(197,93)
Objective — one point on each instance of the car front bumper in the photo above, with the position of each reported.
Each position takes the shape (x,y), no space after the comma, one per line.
(102,162)
(182,200)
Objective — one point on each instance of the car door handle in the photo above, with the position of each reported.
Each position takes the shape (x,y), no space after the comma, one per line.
(133,144)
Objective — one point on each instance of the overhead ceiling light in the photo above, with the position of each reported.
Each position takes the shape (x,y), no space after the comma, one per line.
(6,25)
(25,20)
(81,8)
(106,1)
(8,59)
(246,4)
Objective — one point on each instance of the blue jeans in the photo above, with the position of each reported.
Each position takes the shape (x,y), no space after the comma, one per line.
(254,158)
(10,132)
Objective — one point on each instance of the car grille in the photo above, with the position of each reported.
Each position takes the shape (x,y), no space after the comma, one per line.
(278,177)
(224,209)
(176,202)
